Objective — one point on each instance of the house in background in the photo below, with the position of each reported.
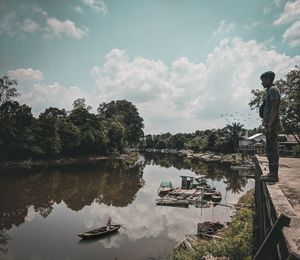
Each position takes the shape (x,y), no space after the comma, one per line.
(286,144)
(256,143)
(254,140)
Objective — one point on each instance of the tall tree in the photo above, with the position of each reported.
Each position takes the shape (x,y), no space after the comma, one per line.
(290,102)
(126,113)
(93,130)
(7,89)
(47,131)
(15,130)
(235,130)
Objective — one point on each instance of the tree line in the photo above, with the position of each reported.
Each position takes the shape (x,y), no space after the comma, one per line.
(57,132)
(225,140)
(117,124)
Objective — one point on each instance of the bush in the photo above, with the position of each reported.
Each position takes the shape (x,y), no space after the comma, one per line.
(236,242)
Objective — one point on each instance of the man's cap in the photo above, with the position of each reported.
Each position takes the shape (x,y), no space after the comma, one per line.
(268,74)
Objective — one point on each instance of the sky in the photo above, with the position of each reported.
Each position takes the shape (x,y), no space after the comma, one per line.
(186,65)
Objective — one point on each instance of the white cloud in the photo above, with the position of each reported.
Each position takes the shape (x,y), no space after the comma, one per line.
(223,30)
(190,96)
(292,35)
(291,12)
(8,24)
(254,25)
(30,26)
(98,5)
(40,96)
(26,74)
(139,80)
(277,2)
(183,97)
(267,10)
(39,10)
(78,9)
(67,28)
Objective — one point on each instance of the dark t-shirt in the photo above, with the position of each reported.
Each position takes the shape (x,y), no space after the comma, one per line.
(272,94)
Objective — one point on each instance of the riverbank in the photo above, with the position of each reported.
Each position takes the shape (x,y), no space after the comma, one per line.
(128,157)
(231,159)
(233,242)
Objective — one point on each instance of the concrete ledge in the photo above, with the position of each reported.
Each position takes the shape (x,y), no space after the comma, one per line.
(285,197)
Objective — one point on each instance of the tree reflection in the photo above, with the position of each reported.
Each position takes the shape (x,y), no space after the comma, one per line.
(112,182)
(214,171)
(3,241)
(235,183)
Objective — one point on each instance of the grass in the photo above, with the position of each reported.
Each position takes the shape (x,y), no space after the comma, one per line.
(236,242)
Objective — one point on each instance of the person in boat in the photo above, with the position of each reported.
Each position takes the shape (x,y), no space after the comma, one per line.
(108,224)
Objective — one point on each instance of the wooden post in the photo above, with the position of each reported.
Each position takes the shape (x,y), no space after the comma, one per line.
(272,238)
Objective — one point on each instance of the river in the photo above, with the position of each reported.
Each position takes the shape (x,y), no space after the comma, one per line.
(42,212)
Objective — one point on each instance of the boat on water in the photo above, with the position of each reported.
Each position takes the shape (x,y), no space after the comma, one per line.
(208,192)
(173,203)
(99,232)
(216,196)
(199,182)
(164,188)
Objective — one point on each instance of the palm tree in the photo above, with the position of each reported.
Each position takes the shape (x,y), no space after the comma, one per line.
(234,131)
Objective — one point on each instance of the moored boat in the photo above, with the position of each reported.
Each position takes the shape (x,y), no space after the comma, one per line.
(216,196)
(164,188)
(99,232)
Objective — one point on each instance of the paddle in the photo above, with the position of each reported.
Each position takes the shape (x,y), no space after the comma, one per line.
(120,225)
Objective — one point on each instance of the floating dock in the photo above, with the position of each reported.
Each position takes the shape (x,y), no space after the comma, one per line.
(183,198)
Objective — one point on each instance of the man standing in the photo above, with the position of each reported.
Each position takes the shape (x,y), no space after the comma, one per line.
(270,114)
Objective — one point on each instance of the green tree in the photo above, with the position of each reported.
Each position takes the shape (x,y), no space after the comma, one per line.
(46,132)
(93,129)
(290,102)
(16,136)
(179,140)
(116,135)
(148,141)
(7,89)
(235,130)
(126,113)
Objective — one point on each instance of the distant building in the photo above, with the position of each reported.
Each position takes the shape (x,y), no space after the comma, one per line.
(286,144)
(254,140)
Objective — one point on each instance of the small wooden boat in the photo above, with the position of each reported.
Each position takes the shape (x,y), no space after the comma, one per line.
(99,232)
(173,203)
(165,188)
(207,195)
(242,167)
(216,196)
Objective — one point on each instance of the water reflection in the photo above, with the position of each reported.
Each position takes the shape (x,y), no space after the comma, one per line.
(214,171)
(23,194)
(87,197)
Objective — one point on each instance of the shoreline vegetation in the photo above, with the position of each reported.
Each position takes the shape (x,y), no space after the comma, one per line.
(129,155)
(234,241)
(230,158)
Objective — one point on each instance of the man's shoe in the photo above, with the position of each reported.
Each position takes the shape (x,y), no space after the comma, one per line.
(269,178)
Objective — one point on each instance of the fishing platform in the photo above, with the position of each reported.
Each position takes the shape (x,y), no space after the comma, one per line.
(193,191)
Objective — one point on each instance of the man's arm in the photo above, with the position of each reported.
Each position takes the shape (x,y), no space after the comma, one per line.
(274,112)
